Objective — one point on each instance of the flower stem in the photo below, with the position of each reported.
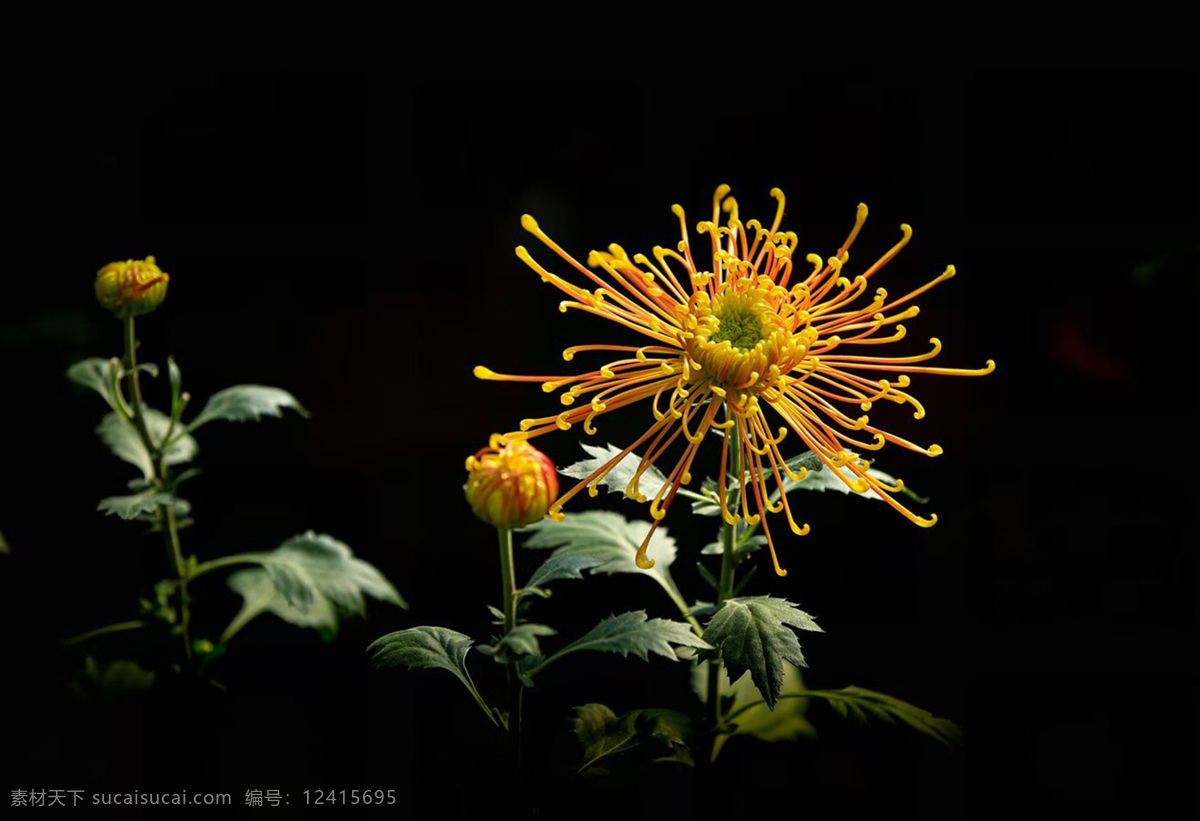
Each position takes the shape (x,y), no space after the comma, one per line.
(102,631)
(515,688)
(158,465)
(725,585)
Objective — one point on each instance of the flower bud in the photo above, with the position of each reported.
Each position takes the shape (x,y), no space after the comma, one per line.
(132,287)
(510,483)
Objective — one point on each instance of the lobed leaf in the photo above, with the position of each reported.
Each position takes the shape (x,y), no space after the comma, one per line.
(314,566)
(519,642)
(558,567)
(242,403)
(753,634)
(632,633)
(260,595)
(423,648)
(618,478)
(139,505)
(98,375)
(611,540)
(864,706)
(122,438)
(818,478)
(603,734)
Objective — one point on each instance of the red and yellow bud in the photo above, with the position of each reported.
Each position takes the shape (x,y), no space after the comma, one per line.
(510,483)
(132,287)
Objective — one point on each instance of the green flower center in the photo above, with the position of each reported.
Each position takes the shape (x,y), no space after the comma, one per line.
(740,325)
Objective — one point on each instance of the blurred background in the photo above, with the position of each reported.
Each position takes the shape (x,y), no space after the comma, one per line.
(350,238)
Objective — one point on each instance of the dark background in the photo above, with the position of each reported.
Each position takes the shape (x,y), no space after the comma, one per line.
(349,238)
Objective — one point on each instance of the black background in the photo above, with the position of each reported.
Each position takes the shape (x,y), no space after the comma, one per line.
(349,237)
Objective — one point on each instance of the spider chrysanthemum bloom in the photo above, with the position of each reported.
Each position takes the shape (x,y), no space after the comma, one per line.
(510,483)
(726,343)
(132,287)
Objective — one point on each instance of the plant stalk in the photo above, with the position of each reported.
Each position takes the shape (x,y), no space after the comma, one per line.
(725,585)
(515,688)
(158,463)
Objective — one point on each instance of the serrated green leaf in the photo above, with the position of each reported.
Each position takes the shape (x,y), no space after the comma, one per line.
(122,439)
(710,506)
(709,486)
(753,634)
(599,732)
(138,505)
(864,706)
(423,648)
(787,722)
(420,648)
(603,734)
(313,566)
(632,633)
(260,595)
(242,403)
(755,542)
(97,374)
(818,478)
(618,478)
(613,540)
(519,642)
(565,566)
(821,479)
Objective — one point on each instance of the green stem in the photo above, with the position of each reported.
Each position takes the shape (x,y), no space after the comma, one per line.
(725,585)
(515,688)
(135,388)
(226,561)
(166,514)
(100,631)
(686,611)
(245,616)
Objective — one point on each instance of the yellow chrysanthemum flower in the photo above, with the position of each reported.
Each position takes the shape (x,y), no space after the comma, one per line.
(731,340)
(132,287)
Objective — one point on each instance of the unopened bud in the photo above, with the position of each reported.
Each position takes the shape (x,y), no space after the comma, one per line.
(132,287)
(511,483)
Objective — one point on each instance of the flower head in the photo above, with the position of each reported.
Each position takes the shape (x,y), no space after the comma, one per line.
(132,287)
(725,344)
(511,483)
